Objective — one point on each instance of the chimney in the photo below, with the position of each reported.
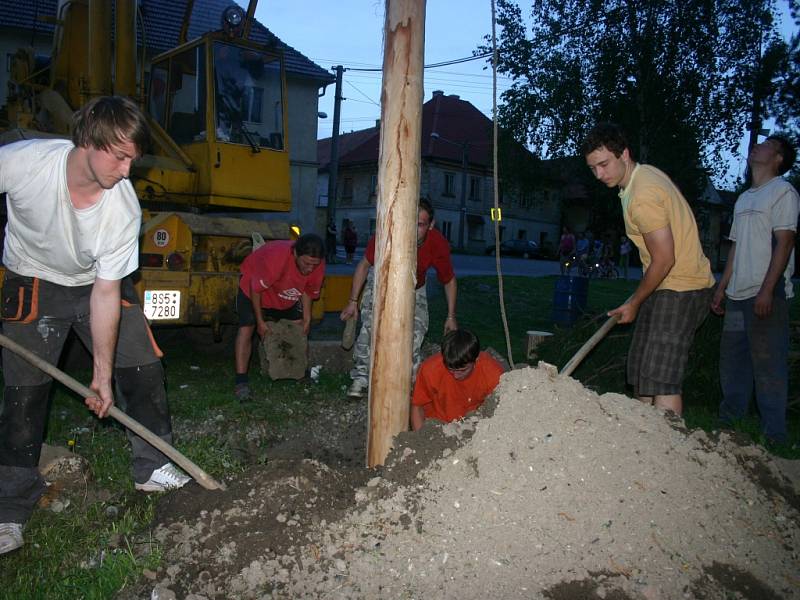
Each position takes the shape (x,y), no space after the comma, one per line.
(377,123)
(437,93)
(454,96)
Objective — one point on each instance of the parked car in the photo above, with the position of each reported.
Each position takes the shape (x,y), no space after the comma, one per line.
(523,248)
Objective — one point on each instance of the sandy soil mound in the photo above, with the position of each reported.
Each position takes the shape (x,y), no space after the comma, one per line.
(560,494)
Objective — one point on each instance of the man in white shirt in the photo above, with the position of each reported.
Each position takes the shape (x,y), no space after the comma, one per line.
(757,282)
(71,239)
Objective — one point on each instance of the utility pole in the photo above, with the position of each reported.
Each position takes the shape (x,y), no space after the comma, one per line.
(333,164)
(396,237)
(463,217)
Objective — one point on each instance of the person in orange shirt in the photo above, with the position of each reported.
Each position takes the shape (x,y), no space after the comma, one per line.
(455,381)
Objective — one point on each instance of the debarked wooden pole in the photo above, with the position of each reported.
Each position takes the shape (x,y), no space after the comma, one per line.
(187,465)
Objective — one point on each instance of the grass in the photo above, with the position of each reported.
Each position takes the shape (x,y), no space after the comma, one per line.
(100,543)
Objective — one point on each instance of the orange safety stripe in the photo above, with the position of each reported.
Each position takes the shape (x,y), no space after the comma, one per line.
(34,314)
(20,304)
(156,349)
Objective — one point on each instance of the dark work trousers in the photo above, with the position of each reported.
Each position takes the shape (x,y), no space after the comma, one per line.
(754,354)
(39,315)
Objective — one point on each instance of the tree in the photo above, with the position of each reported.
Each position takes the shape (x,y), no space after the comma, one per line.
(784,103)
(679,75)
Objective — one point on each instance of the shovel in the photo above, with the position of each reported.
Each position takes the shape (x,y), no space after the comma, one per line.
(590,344)
(187,465)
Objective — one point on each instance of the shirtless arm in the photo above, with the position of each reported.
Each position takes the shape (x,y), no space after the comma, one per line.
(105,307)
(661,246)
(359,277)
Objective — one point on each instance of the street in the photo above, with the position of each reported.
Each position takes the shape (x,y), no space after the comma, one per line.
(471,264)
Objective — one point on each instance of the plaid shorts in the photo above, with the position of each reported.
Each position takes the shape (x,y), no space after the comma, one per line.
(665,328)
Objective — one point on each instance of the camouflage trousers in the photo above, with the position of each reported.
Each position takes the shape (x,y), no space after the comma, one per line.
(361,349)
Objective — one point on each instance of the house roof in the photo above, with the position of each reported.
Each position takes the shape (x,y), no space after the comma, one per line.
(162,25)
(24,15)
(348,143)
(455,120)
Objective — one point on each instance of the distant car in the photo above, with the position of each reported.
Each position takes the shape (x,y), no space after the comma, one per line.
(523,248)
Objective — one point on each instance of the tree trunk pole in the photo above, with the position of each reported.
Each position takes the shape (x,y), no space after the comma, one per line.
(396,239)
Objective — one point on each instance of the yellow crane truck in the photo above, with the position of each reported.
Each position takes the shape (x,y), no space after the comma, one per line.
(217,110)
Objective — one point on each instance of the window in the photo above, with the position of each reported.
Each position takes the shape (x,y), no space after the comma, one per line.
(447,230)
(475,188)
(347,187)
(248,97)
(373,184)
(178,99)
(371,227)
(449,184)
(252,99)
(522,234)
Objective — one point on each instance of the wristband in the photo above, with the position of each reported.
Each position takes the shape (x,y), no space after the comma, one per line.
(354,300)
(450,317)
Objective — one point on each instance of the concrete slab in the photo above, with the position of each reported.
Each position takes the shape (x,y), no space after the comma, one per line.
(285,351)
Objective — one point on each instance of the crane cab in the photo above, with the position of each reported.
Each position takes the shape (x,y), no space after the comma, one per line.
(219,106)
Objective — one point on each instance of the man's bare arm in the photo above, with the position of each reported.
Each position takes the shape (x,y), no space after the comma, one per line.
(451,293)
(359,277)
(105,307)
(417,417)
(255,300)
(661,246)
(783,248)
(305,302)
(719,294)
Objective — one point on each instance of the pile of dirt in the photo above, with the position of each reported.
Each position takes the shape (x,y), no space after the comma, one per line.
(560,493)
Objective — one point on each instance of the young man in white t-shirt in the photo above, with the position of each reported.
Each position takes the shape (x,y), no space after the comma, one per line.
(754,348)
(71,239)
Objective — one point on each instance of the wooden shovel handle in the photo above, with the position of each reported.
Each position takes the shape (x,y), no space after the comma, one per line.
(187,465)
(589,345)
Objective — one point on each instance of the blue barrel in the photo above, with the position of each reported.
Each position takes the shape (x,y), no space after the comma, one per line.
(569,299)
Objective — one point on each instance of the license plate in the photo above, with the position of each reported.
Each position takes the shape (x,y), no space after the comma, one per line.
(162,304)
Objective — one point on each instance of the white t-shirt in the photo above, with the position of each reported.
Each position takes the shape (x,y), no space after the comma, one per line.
(47,237)
(758,212)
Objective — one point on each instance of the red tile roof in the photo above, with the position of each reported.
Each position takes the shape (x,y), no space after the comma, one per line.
(453,119)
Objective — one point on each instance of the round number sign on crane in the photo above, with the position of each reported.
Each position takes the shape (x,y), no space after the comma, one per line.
(161,237)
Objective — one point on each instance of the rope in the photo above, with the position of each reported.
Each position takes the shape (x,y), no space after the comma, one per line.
(495,182)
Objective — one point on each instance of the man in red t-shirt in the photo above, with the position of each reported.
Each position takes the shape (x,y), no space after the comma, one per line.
(279,281)
(455,381)
(433,250)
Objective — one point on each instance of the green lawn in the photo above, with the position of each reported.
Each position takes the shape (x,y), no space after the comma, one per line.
(100,542)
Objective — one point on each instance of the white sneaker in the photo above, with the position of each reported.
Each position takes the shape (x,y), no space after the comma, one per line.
(10,537)
(357,389)
(168,477)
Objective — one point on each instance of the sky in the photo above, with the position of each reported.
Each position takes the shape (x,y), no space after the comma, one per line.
(350,33)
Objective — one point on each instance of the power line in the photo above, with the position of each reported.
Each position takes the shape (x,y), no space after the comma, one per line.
(362,93)
(446,63)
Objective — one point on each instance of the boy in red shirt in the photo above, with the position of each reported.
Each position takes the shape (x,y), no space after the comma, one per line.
(455,381)
(279,281)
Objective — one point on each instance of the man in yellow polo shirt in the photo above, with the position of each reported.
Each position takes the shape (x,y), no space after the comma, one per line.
(673,297)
